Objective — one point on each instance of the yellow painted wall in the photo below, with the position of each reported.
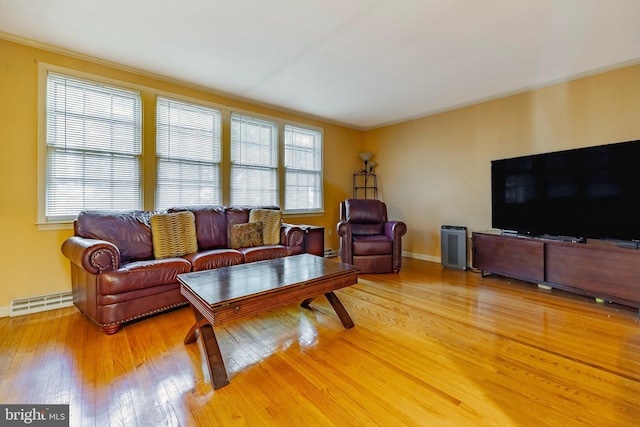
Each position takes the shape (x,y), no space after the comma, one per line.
(431,171)
(436,170)
(31,261)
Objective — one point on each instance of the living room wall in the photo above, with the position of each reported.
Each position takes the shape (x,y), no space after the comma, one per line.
(31,259)
(436,170)
(431,171)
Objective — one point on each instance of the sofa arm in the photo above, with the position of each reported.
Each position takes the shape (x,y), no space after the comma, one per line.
(94,256)
(291,235)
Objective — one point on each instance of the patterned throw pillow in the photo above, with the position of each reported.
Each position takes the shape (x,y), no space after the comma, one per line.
(245,235)
(174,234)
(271,220)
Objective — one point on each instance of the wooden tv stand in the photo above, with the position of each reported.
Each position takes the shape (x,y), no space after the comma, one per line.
(596,269)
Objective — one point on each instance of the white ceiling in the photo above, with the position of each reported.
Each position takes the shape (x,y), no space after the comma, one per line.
(362,63)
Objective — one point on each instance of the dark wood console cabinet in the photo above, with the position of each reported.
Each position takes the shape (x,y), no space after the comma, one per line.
(594,269)
(313,239)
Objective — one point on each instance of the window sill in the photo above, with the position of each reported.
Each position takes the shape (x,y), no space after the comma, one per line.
(302,214)
(51,226)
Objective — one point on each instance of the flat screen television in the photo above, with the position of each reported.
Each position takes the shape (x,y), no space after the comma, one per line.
(582,193)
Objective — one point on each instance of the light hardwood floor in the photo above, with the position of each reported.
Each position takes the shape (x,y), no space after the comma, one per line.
(431,346)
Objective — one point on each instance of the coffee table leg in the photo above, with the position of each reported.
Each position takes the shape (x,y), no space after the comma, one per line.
(307,303)
(192,335)
(340,310)
(217,371)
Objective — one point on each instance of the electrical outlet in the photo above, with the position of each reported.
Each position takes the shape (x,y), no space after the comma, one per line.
(330,231)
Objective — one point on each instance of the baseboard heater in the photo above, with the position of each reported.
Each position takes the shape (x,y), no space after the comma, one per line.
(331,253)
(40,303)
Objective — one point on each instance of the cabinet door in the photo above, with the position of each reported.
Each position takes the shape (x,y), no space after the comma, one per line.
(520,258)
(314,241)
(596,270)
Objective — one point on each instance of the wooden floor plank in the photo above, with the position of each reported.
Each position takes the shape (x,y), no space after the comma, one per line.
(430,346)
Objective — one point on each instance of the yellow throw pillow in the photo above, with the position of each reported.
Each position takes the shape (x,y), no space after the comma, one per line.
(246,235)
(173,234)
(271,220)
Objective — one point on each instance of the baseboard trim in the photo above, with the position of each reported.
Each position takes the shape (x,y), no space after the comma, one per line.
(421,256)
(4,311)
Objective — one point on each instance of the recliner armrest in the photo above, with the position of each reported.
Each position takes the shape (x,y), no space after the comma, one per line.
(395,229)
(344,229)
(346,249)
(92,255)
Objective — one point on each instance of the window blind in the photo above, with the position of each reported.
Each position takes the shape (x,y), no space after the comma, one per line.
(94,144)
(303,169)
(254,161)
(188,146)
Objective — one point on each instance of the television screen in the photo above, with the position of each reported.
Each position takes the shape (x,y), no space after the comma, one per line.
(580,193)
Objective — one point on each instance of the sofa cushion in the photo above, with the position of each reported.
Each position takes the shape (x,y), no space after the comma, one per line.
(245,235)
(173,234)
(214,258)
(263,253)
(271,220)
(128,230)
(142,274)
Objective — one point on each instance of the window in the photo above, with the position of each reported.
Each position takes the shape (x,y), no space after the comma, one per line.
(303,169)
(188,145)
(92,152)
(254,161)
(93,147)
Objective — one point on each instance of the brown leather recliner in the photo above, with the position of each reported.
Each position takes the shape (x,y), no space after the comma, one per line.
(368,239)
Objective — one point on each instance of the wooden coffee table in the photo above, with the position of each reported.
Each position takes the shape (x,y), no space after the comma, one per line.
(223,294)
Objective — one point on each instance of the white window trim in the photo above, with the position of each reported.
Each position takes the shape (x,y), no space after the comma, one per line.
(281,123)
(43,70)
(310,212)
(219,163)
(273,168)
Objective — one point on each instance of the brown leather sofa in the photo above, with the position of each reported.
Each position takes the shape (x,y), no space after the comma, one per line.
(115,277)
(367,238)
